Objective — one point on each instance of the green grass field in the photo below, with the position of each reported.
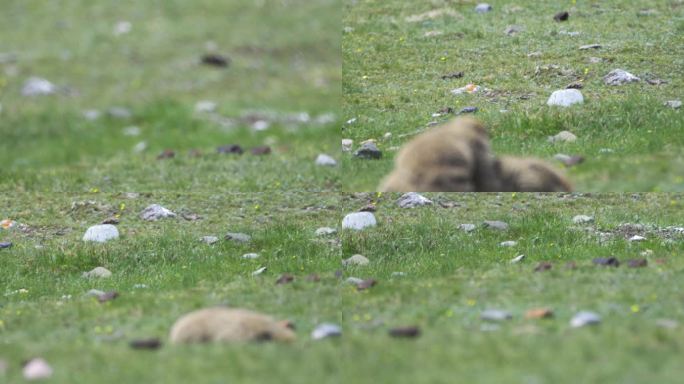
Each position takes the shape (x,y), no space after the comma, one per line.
(284,61)
(392,83)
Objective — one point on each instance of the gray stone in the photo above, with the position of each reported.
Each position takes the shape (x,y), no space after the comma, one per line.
(36,86)
(347,145)
(119,113)
(325,160)
(368,150)
(590,46)
(155,212)
(483,8)
(495,315)
(495,224)
(326,330)
(467,227)
(636,238)
(37,369)
(667,323)
(359,260)
(132,131)
(101,233)
(513,29)
(565,98)
(98,272)
(259,271)
(675,104)
(619,76)
(585,318)
(238,237)
(140,147)
(517,259)
(250,256)
(359,220)
(325,231)
(205,106)
(91,114)
(412,199)
(95,293)
(582,219)
(563,136)
(209,239)
(354,280)
(509,243)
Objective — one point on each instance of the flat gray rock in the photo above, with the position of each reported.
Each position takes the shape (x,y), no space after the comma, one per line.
(354,280)
(467,227)
(209,239)
(495,224)
(347,145)
(359,221)
(675,104)
(619,76)
(517,259)
(238,237)
(95,293)
(101,233)
(36,86)
(509,243)
(326,330)
(563,136)
(412,200)
(582,219)
(325,160)
(356,260)
(155,212)
(565,98)
(495,315)
(97,272)
(325,231)
(483,8)
(590,46)
(250,256)
(585,318)
(368,151)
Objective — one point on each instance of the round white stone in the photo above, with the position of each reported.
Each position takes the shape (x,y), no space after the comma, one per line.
(565,98)
(101,233)
(359,220)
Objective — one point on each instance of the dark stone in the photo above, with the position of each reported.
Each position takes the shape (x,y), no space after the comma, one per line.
(231,148)
(607,261)
(262,150)
(285,278)
(150,344)
(467,110)
(561,16)
(452,75)
(215,60)
(166,154)
(637,263)
(368,151)
(543,266)
(366,284)
(5,244)
(408,332)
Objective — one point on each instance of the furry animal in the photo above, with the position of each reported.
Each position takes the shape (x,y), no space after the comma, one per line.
(229,325)
(452,157)
(520,174)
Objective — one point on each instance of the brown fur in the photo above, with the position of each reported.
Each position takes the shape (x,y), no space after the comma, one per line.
(518,174)
(451,157)
(228,325)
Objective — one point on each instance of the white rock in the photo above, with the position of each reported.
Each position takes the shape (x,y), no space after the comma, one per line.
(618,77)
(99,272)
(413,199)
(209,239)
(563,158)
(387,135)
(483,8)
(495,315)
(326,330)
(359,220)
(563,136)
(590,46)
(356,260)
(131,131)
(584,318)
(95,293)
(675,104)
(261,125)
(517,259)
(101,233)
(509,243)
(647,252)
(91,114)
(582,219)
(324,231)
(259,271)
(636,238)
(351,121)
(155,212)
(36,86)
(204,106)
(122,28)
(347,145)
(238,237)
(354,280)
(565,98)
(250,256)
(37,369)
(140,147)
(325,160)
(467,227)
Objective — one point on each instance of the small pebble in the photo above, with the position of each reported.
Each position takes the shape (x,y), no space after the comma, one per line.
(619,77)
(543,266)
(285,279)
(261,150)
(412,200)
(517,259)
(467,227)
(584,318)
(95,293)
(99,272)
(495,315)
(495,224)
(483,8)
(606,261)
(365,284)
(101,233)
(354,280)
(359,221)
(359,260)
(230,149)
(513,29)
(326,330)
(565,98)
(561,16)
(368,150)
(636,238)
(148,344)
(238,237)
(675,104)
(209,239)
(250,256)
(215,60)
(347,145)
(5,244)
(107,296)
(590,46)
(637,263)
(509,243)
(582,219)
(155,212)
(325,160)
(119,113)
(539,313)
(36,86)
(325,231)
(563,136)
(259,271)
(405,332)
(37,369)
(467,110)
